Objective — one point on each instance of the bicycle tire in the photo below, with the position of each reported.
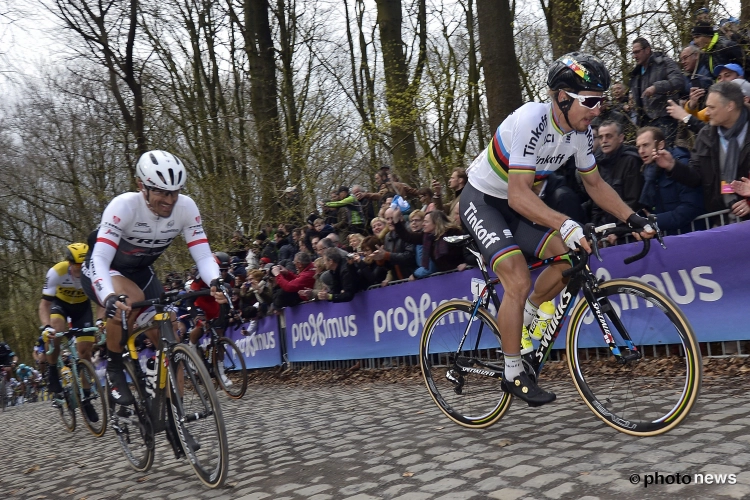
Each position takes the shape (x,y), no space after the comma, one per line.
(471,400)
(95,397)
(226,351)
(644,397)
(199,399)
(138,451)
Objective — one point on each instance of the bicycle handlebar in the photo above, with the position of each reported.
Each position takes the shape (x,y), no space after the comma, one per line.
(592,234)
(73,332)
(166,298)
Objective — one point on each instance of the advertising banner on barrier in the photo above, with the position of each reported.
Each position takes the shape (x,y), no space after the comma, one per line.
(261,348)
(377,323)
(702,272)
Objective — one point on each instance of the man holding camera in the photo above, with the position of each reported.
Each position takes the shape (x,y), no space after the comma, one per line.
(655,79)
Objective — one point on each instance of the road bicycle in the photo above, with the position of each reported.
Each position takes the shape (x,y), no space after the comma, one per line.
(173,394)
(222,357)
(637,390)
(80,383)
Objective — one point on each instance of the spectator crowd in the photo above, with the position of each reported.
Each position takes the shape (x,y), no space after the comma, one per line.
(672,141)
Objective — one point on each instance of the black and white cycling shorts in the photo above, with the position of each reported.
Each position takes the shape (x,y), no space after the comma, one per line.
(498,230)
(144,277)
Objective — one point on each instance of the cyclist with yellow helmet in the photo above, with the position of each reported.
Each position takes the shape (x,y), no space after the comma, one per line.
(63,298)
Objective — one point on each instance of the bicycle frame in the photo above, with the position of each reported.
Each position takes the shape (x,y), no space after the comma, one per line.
(161,385)
(158,392)
(581,279)
(66,342)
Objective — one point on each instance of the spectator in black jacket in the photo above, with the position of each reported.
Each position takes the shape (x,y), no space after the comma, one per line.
(713,167)
(368,272)
(343,284)
(436,252)
(620,167)
(655,79)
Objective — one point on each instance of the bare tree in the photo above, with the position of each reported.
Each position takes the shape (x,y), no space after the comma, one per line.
(498,59)
(253,22)
(400,92)
(109,30)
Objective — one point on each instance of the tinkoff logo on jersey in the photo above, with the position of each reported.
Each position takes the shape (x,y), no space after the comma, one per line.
(480,232)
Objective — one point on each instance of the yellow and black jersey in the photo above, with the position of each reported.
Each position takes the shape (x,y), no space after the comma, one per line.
(61,285)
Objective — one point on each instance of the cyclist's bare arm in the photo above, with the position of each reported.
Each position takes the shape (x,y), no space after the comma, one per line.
(45,309)
(523,199)
(608,200)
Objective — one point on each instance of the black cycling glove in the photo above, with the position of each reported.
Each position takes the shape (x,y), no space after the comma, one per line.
(110,307)
(638,223)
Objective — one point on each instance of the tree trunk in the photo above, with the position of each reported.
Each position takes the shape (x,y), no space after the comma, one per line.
(399,95)
(263,100)
(564,25)
(498,59)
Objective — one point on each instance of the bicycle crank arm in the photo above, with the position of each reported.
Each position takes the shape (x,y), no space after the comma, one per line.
(469,365)
(196,416)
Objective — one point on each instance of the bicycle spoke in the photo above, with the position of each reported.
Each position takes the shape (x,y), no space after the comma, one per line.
(464,385)
(198,417)
(650,388)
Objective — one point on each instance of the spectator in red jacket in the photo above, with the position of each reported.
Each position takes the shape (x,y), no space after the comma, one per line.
(289,284)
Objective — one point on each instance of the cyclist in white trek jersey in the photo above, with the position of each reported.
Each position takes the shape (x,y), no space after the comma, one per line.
(503,211)
(136,228)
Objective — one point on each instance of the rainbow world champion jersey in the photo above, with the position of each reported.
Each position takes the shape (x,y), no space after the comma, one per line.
(529,141)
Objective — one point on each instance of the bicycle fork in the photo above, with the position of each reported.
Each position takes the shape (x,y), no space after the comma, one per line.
(601,307)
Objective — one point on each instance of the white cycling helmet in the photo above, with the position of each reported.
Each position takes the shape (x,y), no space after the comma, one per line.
(161,170)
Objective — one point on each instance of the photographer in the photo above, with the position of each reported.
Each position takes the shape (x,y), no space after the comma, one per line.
(368,272)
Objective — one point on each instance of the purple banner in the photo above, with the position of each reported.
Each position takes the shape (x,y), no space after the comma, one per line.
(261,346)
(699,271)
(703,272)
(376,323)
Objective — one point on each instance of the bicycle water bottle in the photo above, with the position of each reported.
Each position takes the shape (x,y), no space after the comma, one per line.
(539,324)
(67,377)
(151,376)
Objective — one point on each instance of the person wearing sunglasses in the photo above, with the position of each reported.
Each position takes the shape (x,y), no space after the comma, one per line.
(655,80)
(135,229)
(502,204)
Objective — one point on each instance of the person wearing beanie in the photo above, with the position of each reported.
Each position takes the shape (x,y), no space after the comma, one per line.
(717,49)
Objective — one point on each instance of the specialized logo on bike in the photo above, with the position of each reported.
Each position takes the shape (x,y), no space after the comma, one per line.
(607,334)
(552,324)
(480,233)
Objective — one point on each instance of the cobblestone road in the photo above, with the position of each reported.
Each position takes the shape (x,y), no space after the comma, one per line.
(376,441)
